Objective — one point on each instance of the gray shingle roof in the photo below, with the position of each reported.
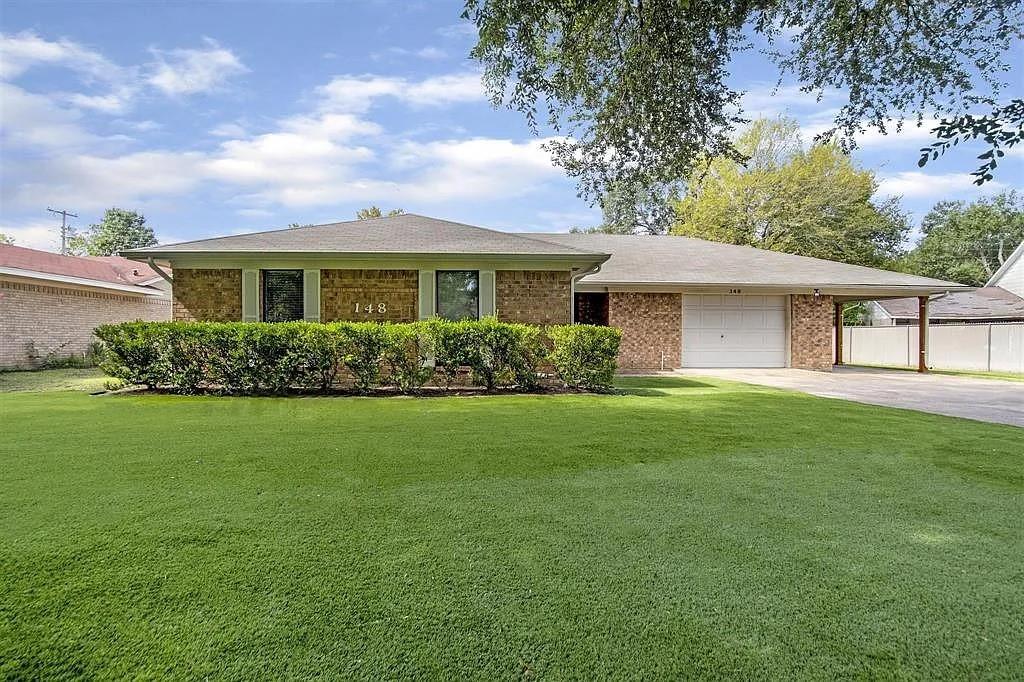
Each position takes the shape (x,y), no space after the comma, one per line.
(640,259)
(677,261)
(403,234)
(987,303)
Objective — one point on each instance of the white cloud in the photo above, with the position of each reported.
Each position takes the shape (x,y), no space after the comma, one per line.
(474,169)
(463,29)
(191,71)
(915,184)
(87,181)
(330,155)
(429,52)
(37,234)
(357,93)
(23,51)
(31,120)
(229,130)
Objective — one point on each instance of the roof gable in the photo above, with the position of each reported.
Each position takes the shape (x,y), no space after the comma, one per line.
(403,234)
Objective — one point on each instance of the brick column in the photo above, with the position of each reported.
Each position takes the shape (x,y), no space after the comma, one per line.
(810,323)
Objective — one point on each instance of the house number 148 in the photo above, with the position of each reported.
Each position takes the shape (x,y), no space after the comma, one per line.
(371,308)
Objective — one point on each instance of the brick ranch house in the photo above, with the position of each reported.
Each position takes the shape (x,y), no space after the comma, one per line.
(680,302)
(49,303)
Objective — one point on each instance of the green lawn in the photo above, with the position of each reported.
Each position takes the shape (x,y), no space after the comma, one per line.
(689,528)
(89,380)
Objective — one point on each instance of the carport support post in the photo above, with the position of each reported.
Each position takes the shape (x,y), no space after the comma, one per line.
(922,333)
(839,333)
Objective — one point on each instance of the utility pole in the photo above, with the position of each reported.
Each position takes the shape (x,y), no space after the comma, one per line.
(63,228)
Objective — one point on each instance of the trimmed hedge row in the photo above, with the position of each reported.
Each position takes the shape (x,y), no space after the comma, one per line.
(248,358)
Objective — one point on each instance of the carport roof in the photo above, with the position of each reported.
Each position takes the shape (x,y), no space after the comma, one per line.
(648,260)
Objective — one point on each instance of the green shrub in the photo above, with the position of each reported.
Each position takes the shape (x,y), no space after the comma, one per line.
(583,355)
(504,354)
(130,351)
(407,354)
(364,344)
(320,356)
(450,344)
(260,358)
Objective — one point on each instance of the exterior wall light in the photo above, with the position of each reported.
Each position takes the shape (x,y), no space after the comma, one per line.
(817,294)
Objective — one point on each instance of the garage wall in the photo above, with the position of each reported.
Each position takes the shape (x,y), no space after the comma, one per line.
(651,325)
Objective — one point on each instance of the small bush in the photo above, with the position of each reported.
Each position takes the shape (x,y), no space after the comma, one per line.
(131,352)
(503,354)
(585,356)
(451,344)
(258,358)
(364,346)
(407,352)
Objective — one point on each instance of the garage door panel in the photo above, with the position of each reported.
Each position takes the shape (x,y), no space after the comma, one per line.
(734,330)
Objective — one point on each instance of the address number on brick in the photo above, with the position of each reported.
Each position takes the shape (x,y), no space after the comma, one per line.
(370,308)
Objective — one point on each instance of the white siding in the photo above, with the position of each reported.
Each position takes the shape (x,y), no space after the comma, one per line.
(1012,278)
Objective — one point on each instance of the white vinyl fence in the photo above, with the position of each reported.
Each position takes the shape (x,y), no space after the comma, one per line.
(988,347)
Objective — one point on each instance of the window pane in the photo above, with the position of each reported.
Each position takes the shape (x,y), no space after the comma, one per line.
(282,295)
(458,294)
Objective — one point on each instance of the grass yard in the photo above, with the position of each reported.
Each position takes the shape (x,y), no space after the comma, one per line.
(88,380)
(689,528)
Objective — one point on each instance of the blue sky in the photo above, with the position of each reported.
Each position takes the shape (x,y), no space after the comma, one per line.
(232,117)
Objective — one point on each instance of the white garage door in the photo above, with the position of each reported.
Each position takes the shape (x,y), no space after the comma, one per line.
(722,330)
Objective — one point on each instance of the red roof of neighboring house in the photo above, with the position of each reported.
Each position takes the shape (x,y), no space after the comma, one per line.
(113,269)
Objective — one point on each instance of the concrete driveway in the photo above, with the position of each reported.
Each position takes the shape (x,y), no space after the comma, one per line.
(989,400)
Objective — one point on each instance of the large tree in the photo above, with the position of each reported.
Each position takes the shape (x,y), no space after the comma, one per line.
(640,88)
(811,202)
(967,243)
(120,229)
(630,208)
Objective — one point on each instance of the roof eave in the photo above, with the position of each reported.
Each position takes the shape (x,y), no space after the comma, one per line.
(143,256)
(21,273)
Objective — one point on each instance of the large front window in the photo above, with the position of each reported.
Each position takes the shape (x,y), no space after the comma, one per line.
(282,295)
(458,294)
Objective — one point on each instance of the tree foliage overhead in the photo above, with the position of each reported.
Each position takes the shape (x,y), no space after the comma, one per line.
(640,86)
(5,239)
(375,212)
(120,229)
(1000,130)
(811,202)
(967,243)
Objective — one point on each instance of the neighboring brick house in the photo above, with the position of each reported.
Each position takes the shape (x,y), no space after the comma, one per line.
(680,302)
(49,304)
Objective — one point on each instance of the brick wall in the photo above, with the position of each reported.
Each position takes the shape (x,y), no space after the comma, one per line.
(811,332)
(341,290)
(533,296)
(208,295)
(651,324)
(60,321)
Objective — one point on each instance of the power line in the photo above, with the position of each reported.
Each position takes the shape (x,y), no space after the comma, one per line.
(64,234)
